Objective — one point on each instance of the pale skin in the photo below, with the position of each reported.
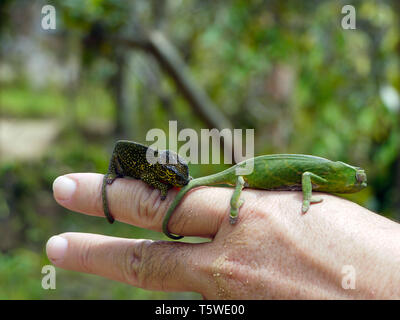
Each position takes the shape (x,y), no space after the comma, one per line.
(272,252)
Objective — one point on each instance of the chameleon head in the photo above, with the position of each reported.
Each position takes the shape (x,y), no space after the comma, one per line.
(349,178)
(361,177)
(174,169)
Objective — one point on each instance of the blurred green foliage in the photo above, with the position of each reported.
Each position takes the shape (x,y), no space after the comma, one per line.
(285,68)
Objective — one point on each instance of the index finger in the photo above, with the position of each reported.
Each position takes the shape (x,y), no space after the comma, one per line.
(200,213)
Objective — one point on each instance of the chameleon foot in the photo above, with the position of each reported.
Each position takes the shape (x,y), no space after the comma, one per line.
(306,204)
(233,216)
(236,202)
(110,178)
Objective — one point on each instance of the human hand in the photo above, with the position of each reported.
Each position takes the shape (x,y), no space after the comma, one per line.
(273,251)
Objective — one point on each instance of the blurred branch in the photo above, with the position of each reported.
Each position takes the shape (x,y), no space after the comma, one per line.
(118,89)
(175,67)
(172,63)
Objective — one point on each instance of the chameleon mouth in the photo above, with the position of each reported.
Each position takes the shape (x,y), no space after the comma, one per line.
(361,178)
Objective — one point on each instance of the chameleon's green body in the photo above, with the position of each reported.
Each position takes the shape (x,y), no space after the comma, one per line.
(270,172)
(129,159)
(284,172)
(281,172)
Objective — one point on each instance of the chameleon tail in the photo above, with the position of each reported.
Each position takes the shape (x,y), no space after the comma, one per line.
(107,213)
(192,184)
(217,178)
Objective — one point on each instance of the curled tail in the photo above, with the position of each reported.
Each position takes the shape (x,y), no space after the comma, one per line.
(219,178)
(107,213)
(192,184)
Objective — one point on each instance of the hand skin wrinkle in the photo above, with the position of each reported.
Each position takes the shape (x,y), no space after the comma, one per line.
(273,251)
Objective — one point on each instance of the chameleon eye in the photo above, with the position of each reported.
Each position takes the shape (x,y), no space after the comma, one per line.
(361,176)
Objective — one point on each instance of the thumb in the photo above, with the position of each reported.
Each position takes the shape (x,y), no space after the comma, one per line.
(153,265)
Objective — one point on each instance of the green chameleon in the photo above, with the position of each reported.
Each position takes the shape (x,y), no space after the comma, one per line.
(270,172)
(129,159)
(280,172)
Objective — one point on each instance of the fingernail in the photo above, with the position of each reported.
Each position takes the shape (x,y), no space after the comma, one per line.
(63,188)
(56,248)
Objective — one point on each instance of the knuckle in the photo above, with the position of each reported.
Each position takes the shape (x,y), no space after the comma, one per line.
(150,264)
(131,261)
(148,206)
(158,265)
(150,267)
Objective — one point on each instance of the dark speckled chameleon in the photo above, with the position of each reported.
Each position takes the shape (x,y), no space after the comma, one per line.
(130,159)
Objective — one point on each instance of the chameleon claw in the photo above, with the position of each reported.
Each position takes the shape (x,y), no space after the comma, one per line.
(235,212)
(232,220)
(306,204)
(110,178)
(164,194)
(305,207)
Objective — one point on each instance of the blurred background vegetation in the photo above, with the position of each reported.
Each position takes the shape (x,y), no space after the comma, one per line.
(114,69)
